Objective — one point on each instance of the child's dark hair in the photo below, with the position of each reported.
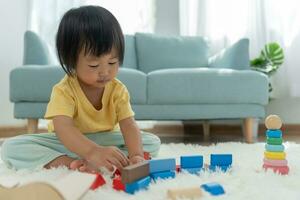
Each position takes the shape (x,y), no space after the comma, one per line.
(90,28)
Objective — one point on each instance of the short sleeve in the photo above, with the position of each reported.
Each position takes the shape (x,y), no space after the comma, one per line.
(61,103)
(123,107)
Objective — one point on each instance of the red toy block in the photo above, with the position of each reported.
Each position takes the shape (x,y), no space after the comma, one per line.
(147,156)
(178,168)
(99,181)
(117,173)
(117,184)
(283,170)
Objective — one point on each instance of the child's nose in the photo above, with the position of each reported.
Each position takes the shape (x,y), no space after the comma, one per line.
(103,72)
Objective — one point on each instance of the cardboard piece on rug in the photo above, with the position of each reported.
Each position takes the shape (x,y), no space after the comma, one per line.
(71,187)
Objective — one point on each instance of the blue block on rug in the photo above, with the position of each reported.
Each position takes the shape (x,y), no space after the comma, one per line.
(213,188)
(161,165)
(142,183)
(191,161)
(220,159)
(162,175)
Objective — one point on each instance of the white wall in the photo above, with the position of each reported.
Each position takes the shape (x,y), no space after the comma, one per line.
(13,23)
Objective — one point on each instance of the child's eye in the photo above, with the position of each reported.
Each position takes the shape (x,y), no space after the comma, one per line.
(112,63)
(93,66)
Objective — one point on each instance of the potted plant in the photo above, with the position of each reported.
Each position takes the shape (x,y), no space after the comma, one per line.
(270,59)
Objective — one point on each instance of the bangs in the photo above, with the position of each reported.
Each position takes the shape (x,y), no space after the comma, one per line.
(101,33)
(99,42)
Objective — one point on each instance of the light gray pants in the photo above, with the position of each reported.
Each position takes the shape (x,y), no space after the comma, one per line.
(32,151)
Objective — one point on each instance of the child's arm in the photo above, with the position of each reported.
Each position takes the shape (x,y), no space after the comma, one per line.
(76,142)
(132,137)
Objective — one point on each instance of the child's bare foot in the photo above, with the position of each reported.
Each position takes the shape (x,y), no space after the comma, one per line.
(71,163)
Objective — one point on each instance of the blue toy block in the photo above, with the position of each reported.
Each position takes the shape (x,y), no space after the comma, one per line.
(213,188)
(161,165)
(220,159)
(142,183)
(191,161)
(274,148)
(163,175)
(192,170)
(223,168)
(274,133)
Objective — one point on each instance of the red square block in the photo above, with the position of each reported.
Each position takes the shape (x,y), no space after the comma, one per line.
(178,168)
(147,156)
(117,183)
(99,181)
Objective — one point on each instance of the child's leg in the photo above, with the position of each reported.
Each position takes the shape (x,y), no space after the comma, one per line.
(151,143)
(33,150)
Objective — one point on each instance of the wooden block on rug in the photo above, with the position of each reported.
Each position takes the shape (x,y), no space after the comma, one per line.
(134,172)
(188,193)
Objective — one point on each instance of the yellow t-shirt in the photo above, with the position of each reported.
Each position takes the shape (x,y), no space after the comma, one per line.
(68,99)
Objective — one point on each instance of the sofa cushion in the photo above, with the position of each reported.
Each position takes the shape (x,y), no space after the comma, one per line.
(130,53)
(207,86)
(33,83)
(159,52)
(234,57)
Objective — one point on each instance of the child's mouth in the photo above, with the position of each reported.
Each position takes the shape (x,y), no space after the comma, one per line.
(103,81)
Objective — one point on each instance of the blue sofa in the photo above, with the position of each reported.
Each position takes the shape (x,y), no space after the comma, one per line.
(168,77)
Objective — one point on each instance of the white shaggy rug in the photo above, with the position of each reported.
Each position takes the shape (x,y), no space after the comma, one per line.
(246,180)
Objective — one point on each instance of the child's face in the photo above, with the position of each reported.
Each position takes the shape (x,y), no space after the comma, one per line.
(97,71)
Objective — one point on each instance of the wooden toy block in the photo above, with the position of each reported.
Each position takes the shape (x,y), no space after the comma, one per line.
(274,133)
(99,181)
(274,148)
(220,159)
(162,175)
(161,165)
(142,183)
(178,168)
(275,155)
(273,122)
(191,161)
(147,156)
(274,141)
(213,188)
(186,193)
(192,170)
(134,172)
(223,168)
(117,184)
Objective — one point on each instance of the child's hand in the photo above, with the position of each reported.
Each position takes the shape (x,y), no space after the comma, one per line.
(107,157)
(136,159)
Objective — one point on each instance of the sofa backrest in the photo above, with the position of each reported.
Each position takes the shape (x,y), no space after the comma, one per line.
(130,60)
(160,52)
(35,50)
(149,52)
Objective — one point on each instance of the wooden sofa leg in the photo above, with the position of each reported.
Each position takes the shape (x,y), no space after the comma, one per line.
(206,130)
(250,128)
(32,125)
